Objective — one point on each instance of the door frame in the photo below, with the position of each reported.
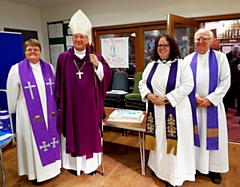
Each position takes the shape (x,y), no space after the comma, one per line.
(172,19)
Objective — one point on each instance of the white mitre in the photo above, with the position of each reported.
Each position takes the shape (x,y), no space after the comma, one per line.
(80,23)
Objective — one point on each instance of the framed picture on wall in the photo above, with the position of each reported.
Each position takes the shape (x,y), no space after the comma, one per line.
(225,48)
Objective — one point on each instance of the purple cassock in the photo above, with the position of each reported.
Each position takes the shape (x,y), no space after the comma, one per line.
(81,102)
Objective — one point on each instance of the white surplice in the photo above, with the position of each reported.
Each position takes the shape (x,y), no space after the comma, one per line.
(168,167)
(216,160)
(29,162)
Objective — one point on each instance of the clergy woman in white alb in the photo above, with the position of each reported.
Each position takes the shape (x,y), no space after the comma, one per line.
(165,86)
(30,92)
(212,76)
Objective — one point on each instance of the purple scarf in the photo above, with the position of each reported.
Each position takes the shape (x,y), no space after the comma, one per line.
(171,121)
(150,122)
(170,114)
(47,139)
(212,111)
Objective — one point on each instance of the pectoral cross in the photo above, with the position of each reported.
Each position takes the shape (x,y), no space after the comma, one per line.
(79,74)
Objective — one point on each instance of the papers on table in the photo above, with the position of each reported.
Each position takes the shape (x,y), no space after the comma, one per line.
(5,136)
(117,92)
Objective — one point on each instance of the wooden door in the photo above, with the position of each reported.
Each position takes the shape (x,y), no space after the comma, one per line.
(182,29)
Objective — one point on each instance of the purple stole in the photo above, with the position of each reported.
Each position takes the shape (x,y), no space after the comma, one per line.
(47,139)
(212,111)
(150,122)
(170,113)
(192,98)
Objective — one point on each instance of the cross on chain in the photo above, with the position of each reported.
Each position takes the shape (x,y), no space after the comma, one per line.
(54,142)
(50,83)
(79,74)
(44,146)
(30,89)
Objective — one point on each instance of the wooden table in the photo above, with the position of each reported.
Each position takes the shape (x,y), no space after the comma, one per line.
(139,127)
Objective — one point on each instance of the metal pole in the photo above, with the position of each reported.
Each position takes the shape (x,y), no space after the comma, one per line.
(102,165)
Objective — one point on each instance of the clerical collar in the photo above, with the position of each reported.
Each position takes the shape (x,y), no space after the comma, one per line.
(80,54)
(206,53)
(164,61)
(34,63)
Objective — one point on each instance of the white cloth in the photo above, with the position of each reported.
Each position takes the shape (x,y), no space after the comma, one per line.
(174,169)
(80,54)
(79,163)
(217,160)
(29,162)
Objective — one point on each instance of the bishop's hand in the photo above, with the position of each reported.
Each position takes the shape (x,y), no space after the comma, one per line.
(94,60)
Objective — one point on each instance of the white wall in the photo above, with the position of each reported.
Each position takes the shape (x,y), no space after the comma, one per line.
(108,12)
(17,16)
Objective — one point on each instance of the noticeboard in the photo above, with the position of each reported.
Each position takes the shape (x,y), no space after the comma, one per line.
(59,38)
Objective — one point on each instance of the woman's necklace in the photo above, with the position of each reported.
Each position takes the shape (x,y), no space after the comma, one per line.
(79,73)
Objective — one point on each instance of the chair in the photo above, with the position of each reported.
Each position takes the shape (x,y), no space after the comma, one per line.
(115,97)
(6,136)
(134,100)
(10,120)
(3,143)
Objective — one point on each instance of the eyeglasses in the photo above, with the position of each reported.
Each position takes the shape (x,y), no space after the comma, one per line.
(204,39)
(32,50)
(163,45)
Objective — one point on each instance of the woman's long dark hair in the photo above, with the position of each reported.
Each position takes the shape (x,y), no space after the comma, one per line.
(174,49)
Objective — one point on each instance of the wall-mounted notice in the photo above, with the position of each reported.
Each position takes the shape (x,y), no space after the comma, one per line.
(115,51)
(55,50)
(55,30)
